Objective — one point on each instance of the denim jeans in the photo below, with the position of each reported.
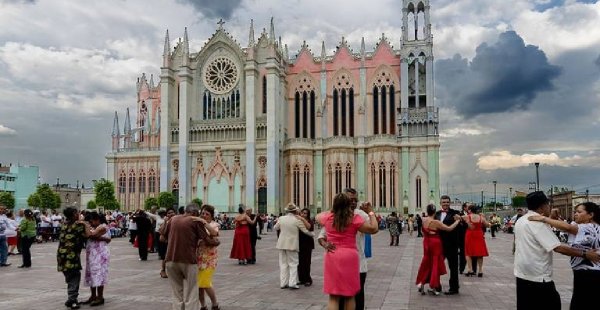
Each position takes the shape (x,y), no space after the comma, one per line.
(3,250)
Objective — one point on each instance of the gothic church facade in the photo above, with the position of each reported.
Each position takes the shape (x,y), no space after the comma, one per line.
(251,125)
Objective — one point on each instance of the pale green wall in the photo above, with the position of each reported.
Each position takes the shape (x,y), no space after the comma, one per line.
(200,187)
(237,191)
(218,194)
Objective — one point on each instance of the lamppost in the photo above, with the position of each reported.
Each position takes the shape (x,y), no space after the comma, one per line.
(537,176)
(510,197)
(495,204)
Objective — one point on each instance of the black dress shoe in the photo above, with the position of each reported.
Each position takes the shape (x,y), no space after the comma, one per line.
(451,292)
(5,265)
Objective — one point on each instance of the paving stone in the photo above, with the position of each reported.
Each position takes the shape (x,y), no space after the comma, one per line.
(390,282)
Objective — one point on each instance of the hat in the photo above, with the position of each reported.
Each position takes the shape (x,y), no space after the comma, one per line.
(536,199)
(291,208)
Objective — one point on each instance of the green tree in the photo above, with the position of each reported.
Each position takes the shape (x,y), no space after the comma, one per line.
(7,200)
(91,204)
(44,198)
(105,195)
(166,200)
(518,202)
(34,200)
(150,202)
(197,201)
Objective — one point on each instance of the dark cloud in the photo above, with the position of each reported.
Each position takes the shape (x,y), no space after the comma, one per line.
(18,1)
(215,9)
(502,77)
(597,62)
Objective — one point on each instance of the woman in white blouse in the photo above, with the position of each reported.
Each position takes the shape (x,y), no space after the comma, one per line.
(585,235)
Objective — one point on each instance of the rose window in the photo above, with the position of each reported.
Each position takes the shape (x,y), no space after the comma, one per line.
(221,75)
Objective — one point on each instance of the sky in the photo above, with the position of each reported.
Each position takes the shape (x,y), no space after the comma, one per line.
(516,81)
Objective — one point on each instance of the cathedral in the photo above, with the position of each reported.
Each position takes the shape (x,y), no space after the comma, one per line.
(257,126)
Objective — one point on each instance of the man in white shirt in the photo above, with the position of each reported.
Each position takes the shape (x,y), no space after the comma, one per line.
(288,245)
(4,225)
(56,219)
(534,244)
(359,298)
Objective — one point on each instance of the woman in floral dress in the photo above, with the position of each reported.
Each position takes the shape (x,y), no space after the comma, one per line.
(207,260)
(97,258)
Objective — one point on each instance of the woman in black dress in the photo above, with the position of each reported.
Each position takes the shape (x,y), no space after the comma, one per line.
(307,244)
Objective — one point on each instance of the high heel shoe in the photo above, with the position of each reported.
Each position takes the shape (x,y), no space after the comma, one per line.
(469,274)
(433,292)
(480,275)
(420,289)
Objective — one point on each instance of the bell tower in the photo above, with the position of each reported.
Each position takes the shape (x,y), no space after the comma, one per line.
(418,117)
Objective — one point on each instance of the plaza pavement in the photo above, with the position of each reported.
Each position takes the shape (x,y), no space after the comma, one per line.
(390,282)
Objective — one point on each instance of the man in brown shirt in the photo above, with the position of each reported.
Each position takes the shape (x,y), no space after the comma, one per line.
(183,233)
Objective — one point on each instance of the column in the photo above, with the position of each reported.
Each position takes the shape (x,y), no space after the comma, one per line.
(325,112)
(185,81)
(361,175)
(166,84)
(272,138)
(429,80)
(362,101)
(405,170)
(251,73)
(318,176)
(404,83)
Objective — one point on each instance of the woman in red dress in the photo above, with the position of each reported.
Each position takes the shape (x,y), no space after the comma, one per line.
(241,249)
(474,240)
(432,265)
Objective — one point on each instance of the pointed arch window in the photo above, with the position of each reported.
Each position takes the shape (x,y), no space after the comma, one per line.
(296,185)
(131,181)
(393,185)
(297,114)
(348,175)
(384,104)
(338,178)
(142,182)
(343,106)
(152,182)
(307,189)
(221,106)
(264,94)
(330,177)
(418,193)
(374,184)
(122,182)
(382,186)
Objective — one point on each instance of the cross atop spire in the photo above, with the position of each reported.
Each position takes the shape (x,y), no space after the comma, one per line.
(220,23)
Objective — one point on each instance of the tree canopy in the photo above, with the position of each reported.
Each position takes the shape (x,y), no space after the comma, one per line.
(150,202)
(7,199)
(44,198)
(166,200)
(91,204)
(105,194)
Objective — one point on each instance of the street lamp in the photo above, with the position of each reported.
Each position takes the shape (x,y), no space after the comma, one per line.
(495,204)
(537,176)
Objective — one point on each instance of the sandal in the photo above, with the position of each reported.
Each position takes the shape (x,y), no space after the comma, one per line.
(163,274)
(215,307)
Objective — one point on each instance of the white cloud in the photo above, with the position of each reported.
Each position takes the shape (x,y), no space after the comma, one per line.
(5,131)
(506,160)
(466,130)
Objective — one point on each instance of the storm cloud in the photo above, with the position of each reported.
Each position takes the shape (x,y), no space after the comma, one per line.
(215,9)
(502,77)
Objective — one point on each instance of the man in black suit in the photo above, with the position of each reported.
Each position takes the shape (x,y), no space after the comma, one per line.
(253,236)
(450,242)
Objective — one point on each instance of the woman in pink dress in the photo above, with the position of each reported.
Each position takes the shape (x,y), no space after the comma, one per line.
(432,265)
(97,258)
(341,265)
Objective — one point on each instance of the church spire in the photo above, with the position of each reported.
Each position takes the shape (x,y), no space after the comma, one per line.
(362,51)
(151,82)
(167,50)
(186,48)
(286,53)
(272,32)
(323,55)
(116,131)
(127,128)
(251,34)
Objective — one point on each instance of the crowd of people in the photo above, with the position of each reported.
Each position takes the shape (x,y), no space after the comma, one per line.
(187,240)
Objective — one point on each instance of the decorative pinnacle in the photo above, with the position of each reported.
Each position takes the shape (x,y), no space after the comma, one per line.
(251,34)
(272,32)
